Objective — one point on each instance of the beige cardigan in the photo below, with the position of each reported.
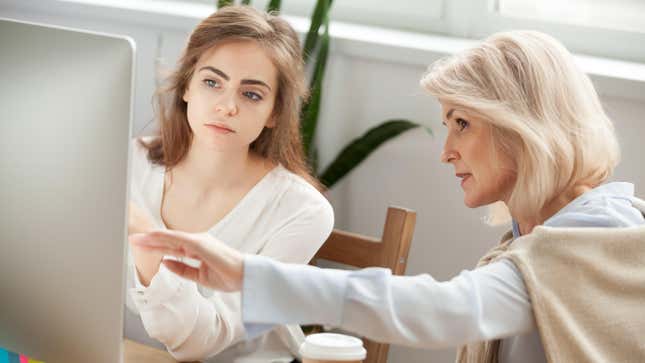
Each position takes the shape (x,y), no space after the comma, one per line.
(587,290)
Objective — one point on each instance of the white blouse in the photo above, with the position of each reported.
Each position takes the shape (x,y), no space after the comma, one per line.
(282,217)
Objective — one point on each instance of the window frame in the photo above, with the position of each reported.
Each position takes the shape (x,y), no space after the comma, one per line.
(476,19)
(582,39)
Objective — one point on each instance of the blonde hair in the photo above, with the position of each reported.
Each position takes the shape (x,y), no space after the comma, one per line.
(544,113)
(282,143)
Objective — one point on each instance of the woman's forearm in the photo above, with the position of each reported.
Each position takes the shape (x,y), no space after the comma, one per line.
(408,310)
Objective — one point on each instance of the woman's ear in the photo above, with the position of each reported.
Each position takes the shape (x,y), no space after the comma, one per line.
(271,122)
(185,95)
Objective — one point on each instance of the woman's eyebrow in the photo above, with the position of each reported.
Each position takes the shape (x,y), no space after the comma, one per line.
(216,71)
(255,82)
(226,77)
(448,115)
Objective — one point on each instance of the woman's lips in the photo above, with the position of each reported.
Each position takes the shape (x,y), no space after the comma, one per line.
(464,177)
(219,128)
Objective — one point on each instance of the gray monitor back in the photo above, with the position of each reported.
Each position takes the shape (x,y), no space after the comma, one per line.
(65,116)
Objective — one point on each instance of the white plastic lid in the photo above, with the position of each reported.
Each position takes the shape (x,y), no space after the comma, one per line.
(330,346)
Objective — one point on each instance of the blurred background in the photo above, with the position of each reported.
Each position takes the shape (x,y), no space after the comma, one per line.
(378,51)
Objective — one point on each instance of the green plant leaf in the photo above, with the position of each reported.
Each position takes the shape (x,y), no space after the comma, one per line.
(320,15)
(246,2)
(223,3)
(274,5)
(356,151)
(313,160)
(311,109)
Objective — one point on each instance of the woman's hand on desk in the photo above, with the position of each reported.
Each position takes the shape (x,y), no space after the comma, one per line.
(221,268)
(147,262)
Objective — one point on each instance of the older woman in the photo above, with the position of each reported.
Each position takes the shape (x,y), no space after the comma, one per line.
(525,128)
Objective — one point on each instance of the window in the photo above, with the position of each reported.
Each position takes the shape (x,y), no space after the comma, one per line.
(626,15)
(607,28)
(416,15)
(591,27)
(409,14)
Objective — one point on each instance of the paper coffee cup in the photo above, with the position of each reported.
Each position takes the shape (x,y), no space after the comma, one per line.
(330,347)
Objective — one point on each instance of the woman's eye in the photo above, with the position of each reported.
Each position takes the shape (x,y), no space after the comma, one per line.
(462,123)
(210,83)
(252,96)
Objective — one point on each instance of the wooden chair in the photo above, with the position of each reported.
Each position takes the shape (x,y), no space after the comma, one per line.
(391,251)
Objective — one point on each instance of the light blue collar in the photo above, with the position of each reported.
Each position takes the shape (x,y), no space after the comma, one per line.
(615,190)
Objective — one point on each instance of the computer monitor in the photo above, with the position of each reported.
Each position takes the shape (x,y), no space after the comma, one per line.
(65,124)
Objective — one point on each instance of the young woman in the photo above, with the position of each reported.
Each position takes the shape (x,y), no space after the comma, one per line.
(525,127)
(227,163)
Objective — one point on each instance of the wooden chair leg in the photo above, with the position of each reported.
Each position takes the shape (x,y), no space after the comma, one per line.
(376,353)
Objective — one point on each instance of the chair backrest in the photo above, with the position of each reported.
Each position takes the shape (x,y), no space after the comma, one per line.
(391,251)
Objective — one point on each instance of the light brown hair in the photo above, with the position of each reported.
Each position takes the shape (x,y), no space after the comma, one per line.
(280,144)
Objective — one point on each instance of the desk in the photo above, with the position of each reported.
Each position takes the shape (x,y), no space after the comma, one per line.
(139,353)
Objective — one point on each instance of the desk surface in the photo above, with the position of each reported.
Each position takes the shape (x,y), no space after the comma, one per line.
(138,353)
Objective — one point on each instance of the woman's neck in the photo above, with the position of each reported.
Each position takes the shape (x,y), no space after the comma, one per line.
(551,208)
(210,169)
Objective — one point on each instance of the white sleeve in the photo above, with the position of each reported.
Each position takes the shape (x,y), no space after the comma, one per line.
(487,303)
(194,327)
(190,325)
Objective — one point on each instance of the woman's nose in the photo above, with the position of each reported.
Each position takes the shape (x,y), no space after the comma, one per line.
(449,152)
(226,104)
(448,156)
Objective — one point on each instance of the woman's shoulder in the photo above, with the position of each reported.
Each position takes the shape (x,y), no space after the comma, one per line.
(295,195)
(296,185)
(139,150)
(140,164)
(139,142)
(608,205)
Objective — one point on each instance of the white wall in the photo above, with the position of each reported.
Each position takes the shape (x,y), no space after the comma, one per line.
(367,83)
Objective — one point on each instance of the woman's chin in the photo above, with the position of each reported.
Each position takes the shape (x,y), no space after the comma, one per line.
(472,202)
(213,143)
